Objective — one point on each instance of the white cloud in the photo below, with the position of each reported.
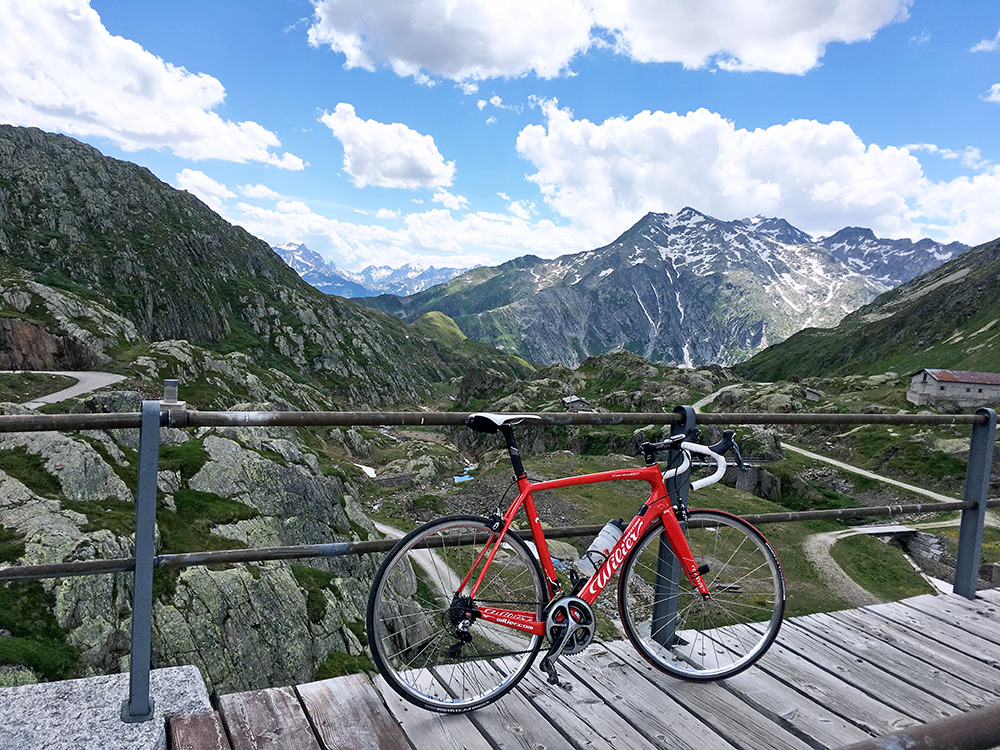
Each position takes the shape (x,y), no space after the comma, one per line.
(61,70)
(971,157)
(259,191)
(782,36)
(385,213)
(987,45)
(491,120)
(993,95)
(819,176)
(472,40)
(522,209)
(468,88)
(430,237)
(387,154)
(213,193)
(462,40)
(448,200)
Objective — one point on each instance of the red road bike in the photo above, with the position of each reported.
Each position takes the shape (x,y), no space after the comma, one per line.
(461,606)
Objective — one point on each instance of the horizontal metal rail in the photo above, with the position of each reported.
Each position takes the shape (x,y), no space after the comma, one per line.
(195,418)
(340,549)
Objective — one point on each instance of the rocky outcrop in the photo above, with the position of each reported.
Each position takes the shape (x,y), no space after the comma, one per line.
(245,626)
(25,346)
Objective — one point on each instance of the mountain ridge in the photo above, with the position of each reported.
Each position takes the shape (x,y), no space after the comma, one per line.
(682,288)
(103,233)
(331,279)
(948,317)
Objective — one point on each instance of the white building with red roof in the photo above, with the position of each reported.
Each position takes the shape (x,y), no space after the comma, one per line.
(961,387)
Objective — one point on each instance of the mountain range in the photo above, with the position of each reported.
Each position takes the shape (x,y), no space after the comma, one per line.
(684,288)
(331,279)
(948,317)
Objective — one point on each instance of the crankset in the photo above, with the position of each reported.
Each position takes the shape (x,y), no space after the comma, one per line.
(569,626)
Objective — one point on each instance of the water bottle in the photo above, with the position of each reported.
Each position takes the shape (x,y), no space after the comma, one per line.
(598,550)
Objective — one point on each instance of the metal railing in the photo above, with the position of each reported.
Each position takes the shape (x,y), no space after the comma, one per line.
(139,705)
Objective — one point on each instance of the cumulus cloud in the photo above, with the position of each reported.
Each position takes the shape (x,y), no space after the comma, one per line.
(448,200)
(213,193)
(429,237)
(387,154)
(781,36)
(462,40)
(993,95)
(259,191)
(820,176)
(472,40)
(386,213)
(61,70)
(987,45)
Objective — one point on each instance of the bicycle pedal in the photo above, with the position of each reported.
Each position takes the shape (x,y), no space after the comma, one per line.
(548,666)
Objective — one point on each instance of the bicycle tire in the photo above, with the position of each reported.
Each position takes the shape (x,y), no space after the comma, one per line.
(412,634)
(676,629)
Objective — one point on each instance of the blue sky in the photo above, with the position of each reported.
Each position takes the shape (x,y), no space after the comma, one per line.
(455,132)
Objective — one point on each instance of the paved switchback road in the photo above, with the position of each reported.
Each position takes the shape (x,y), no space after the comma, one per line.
(87,381)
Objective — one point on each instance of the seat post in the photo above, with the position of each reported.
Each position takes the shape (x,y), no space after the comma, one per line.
(515,458)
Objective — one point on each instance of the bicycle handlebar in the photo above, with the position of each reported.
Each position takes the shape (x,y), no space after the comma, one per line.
(720,464)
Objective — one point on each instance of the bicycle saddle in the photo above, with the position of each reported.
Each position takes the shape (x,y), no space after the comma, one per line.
(486,422)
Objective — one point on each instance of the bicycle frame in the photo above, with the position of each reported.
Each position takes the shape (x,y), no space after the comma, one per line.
(659,505)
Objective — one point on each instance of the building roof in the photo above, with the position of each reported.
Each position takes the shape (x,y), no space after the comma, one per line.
(962,376)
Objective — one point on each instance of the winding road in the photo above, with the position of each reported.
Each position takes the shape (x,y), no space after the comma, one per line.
(87,381)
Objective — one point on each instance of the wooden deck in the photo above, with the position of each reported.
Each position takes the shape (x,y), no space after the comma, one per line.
(829,680)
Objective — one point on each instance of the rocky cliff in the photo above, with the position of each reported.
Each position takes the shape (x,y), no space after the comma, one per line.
(113,237)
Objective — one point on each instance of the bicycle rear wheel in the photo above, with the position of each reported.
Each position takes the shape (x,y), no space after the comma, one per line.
(674,627)
(417,609)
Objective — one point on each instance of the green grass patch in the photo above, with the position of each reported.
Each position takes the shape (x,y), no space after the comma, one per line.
(187,458)
(189,528)
(11,545)
(991,542)
(30,470)
(117,516)
(36,640)
(879,568)
(338,664)
(314,582)
(19,387)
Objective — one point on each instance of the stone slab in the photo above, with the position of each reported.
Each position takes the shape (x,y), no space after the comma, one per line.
(86,713)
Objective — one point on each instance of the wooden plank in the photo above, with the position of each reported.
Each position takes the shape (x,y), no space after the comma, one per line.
(662,720)
(270,719)
(513,723)
(717,707)
(909,699)
(971,616)
(581,714)
(427,729)
(198,732)
(347,714)
(990,595)
(919,645)
(817,684)
(926,674)
(937,629)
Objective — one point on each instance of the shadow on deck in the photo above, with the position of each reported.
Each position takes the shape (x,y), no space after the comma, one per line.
(830,679)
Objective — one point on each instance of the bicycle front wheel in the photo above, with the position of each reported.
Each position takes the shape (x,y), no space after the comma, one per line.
(679,631)
(422,640)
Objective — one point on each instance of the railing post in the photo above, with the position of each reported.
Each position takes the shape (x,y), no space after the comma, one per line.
(668,569)
(977,486)
(139,705)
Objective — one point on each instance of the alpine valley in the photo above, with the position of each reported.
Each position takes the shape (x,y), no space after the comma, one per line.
(684,289)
